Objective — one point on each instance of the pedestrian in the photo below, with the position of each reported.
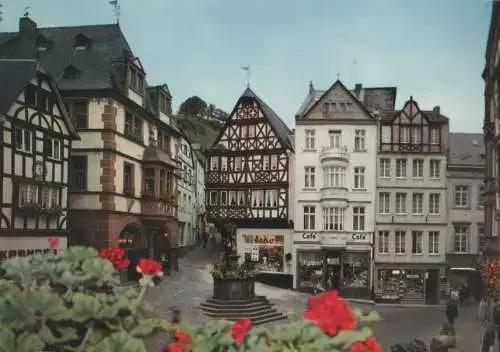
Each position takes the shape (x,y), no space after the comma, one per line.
(451,311)
(205,239)
(213,241)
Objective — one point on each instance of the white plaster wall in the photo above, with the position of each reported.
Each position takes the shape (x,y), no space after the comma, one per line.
(366,159)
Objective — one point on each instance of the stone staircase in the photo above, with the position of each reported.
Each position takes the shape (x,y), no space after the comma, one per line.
(259,310)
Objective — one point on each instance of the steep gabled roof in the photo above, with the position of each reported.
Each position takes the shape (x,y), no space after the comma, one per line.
(15,75)
(466,149)
(99,63)
(314,98)
(280,128)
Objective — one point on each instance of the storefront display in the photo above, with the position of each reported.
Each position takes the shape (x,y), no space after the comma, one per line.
(310,270)
(356,270)
(396,285)
(265,252)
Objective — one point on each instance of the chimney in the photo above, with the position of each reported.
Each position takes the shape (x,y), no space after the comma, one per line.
(311,87)
(27,26)
(357,88)
(436,112)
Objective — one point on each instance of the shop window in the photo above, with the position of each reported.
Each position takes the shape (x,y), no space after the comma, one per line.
(310,269)
(395,284)
(265,252)
(356,273)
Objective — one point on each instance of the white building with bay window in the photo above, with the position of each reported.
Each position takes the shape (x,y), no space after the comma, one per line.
(334,189)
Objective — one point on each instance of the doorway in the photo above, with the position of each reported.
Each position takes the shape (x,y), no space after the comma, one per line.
(432,286)
(333,269)
(130,241)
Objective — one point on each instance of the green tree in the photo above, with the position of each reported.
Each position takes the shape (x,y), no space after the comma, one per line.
(193,106)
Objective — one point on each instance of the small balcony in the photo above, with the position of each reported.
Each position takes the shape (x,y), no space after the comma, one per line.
(336,194)
(335,154)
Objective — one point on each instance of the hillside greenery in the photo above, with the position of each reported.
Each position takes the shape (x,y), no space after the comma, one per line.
(200,130)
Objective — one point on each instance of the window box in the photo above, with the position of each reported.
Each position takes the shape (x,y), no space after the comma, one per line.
(31,207)
(148,194)
(129,191)
(55,210)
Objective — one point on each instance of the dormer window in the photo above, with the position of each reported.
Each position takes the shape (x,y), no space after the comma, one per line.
(165,103)
(71,72)
(136,80)
(42,43)
(82,42)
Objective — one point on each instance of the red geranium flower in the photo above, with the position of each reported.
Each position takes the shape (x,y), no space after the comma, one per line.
(369,345)
(116,256)
(53,242)
(330,313)
(175,347)
(239,330)
(183,338)
(149,267)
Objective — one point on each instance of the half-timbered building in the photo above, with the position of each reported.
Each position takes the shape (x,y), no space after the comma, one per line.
(124,168)
(35,146)
(248,182)
(411,218)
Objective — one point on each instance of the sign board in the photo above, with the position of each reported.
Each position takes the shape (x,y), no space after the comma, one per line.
(334,239)
(360,237)
(307,237)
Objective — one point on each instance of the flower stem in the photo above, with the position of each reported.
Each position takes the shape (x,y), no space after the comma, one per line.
(85,339)
(141,293)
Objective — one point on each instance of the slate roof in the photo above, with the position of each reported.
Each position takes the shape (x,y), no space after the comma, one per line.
(377,98)
(154,155)
(15,75)
(432,115)
(466,149)
(99,65)
(281,129)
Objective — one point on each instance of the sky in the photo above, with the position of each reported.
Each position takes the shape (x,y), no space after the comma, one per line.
(431,50)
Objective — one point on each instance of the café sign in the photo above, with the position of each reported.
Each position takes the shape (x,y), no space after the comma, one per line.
(360,237)
(307,237)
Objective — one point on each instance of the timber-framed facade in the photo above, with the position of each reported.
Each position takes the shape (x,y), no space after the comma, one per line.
(248,182)
(36,139)
(124,168)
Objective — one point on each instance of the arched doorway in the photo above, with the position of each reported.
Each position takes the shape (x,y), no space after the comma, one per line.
(132,242)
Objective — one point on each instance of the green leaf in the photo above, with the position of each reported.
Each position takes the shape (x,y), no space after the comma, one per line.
(7,341)
(85,307)
(48,337)
(146,327)
(101,269)
(27,342)
(119,342)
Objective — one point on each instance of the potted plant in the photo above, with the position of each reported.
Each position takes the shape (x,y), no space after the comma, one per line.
(288,257)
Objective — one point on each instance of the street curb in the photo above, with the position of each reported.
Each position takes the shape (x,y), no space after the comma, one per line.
(394,305)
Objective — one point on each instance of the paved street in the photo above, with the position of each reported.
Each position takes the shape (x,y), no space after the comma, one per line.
(188,288)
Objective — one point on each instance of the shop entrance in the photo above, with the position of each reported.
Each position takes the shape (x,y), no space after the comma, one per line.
(331,279)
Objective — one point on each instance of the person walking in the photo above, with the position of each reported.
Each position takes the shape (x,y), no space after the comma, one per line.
(205,239)
(213,241)
(451,311)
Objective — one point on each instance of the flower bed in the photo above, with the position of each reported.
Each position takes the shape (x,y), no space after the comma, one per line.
(72,300)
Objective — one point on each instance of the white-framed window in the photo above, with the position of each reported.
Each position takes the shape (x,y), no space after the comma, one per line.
(461,238)
(404,135)
(258,200)
(435,135)
(335,138)
(400,242)
(401,166)
(483,240)
(417,203)
(310,142)
(214,163)
(384,168)
(237,163)
(416,242)
(434,203)
(461,196)
(401,203)
(50,197)
(223,163)
(433,242)
(53,148)
(434,168)
(360,140)
(23,140)
(418,168)
(334,176)
(28,194)
(223,198)
(480,196)
(359,177)
(309,177)
(383,242)
(416,135)
(358,218)
(309,217)
(384,203)
(386,134)
(333,219)
(274,162)
(213,197)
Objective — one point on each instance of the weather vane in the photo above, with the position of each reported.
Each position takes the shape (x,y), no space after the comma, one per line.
(27,11)
(116,9)
(247,69)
